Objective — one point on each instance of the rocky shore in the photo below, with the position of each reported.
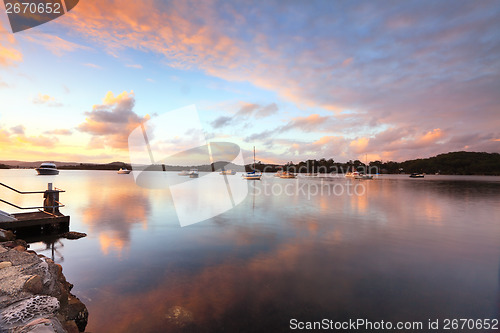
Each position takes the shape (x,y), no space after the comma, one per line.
(34,294)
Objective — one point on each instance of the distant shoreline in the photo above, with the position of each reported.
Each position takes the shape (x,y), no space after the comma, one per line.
(454,163)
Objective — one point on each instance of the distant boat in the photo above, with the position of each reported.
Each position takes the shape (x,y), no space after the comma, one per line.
(228,172)
(193,173)
(353,174)
(123,171)
(287,175)
(417,175)
(183,173)
(253,175)
(279,173)
(47,169)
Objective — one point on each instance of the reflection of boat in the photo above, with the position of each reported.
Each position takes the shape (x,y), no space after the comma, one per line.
(253,175)
(363,176)
(124,171)
(183,173)
(311,174)
(228,172)
(417,175)
(193,173)
(47,169)
(287,175)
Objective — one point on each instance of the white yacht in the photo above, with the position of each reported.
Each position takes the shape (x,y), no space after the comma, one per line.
(47,169)
(193,173)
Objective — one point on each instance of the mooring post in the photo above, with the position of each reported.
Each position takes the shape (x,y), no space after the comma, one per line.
(51,199)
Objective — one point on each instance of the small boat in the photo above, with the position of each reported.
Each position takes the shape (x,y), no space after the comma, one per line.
(252,175)
(124,171)
(47,169)
(417,175)
(228,172)
(287,175)
(353,174)
(193,173)
(183,173)
(278,174)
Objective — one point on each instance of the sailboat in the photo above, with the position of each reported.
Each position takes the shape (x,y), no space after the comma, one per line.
(253,175)
(364,175)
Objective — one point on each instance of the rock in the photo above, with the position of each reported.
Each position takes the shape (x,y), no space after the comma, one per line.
(26,310)
(73,235)
(70,327)
(43,325)
(6,235)
(33,285)
(20,248)
(179,316)
(35,296)
(4,264)
(77,311)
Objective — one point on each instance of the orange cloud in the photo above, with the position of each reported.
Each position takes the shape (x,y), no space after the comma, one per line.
(9,55)
(431,136)
(359,145)
(110,123)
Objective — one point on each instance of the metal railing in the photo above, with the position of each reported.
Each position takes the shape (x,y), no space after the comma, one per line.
(56,190)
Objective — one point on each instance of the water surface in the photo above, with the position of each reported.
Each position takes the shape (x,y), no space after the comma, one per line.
(400,249)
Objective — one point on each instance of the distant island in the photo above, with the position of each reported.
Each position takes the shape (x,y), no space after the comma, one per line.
(453,163)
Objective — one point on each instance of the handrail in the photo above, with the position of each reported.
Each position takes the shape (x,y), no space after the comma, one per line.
(8,203)
(29,192)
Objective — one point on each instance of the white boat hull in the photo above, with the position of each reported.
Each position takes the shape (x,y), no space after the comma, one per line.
(46,171)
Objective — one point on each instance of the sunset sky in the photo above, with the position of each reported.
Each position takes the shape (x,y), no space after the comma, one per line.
(297,79)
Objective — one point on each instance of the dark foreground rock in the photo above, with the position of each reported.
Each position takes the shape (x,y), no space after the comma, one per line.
(34,294)
(73,235)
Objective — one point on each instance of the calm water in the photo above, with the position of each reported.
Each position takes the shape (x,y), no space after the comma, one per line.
(403,250)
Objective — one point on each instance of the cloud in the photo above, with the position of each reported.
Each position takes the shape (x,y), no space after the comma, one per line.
(54,44)
(111,122)
(136,66)
(19,129)
(61,131)
(9,54)
(416,66)
(246,110)
(92,65)
(221,121)
(267,111)
(46,99)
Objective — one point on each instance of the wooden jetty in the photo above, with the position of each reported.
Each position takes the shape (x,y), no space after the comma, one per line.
(47,219)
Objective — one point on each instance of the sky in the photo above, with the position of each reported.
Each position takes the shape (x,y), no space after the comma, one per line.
(376,80)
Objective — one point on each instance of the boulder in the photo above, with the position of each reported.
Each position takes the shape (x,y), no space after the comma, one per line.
(6,235)
(33,285)
(4,264)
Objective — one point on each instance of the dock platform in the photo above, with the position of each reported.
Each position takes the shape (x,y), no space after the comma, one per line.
(37,221)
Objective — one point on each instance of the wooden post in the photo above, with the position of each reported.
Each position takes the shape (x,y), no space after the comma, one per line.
(51,199)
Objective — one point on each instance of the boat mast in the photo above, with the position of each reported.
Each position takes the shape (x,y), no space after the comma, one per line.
(254,158)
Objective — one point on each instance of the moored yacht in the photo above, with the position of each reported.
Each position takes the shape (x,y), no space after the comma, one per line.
(193,173)
(47,169)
